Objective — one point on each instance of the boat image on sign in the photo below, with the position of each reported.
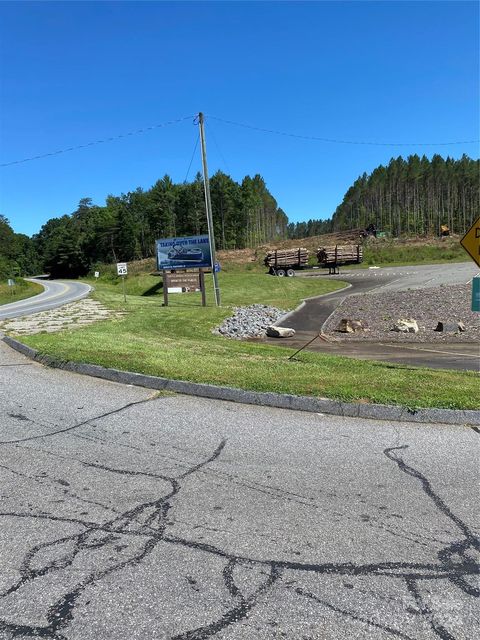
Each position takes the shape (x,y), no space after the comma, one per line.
(178,253)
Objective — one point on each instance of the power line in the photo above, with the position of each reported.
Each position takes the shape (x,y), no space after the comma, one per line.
(237,124)
(334,141)
(210,130)
(103,141)
(191,159)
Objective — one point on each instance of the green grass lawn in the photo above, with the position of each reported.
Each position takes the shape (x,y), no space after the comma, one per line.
(21,290)
(176,342)
(392,254)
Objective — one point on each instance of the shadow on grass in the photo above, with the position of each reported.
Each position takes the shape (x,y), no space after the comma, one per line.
(153,290)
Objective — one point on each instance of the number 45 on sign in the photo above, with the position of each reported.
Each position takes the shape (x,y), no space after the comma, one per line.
(122,268)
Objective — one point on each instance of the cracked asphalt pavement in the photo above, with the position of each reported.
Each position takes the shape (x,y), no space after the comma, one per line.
(130,515)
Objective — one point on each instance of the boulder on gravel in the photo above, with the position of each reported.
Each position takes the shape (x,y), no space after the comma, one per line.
(450,327)
(280,332)
(406,325)
(350,326)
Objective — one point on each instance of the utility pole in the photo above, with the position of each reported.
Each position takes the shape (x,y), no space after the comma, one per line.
(208,205)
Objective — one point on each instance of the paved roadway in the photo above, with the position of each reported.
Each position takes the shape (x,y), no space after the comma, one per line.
(309,318)
(56,294)
(130,516)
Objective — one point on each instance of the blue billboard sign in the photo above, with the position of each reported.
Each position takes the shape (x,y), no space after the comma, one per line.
(192,252)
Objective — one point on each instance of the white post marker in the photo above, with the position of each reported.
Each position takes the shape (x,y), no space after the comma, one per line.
(122,270)
(11,284)
(97,274)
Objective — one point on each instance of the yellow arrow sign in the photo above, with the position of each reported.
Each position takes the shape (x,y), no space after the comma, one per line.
(471,241)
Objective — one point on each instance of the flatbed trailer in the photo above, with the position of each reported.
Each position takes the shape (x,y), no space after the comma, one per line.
(335,256)
(284,262)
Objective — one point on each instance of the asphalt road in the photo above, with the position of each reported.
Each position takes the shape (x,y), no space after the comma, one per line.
(313,314)
(56,294)
(128,516)
(310,317)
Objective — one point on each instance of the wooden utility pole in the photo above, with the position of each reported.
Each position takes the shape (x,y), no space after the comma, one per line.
(208,206)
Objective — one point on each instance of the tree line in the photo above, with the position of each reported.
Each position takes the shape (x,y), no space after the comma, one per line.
(18,255)
(244,215)
(412,197)
(408,196)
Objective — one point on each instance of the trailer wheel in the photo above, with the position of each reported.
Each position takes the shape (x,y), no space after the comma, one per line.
(290,273)
(281,273)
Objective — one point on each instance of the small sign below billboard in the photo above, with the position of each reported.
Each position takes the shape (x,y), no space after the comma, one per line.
(178,282)
(122,268)
(192,252)
(184,281)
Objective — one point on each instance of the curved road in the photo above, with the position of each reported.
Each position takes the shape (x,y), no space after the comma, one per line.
(56,294)
(129,516)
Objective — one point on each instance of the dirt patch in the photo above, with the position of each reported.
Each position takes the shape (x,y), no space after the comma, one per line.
(71,316)
(379,311)
(352,236)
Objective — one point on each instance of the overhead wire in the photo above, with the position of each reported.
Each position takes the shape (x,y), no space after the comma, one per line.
(337,141)
(191,159)
(211,131)
(237,124)
(95,142)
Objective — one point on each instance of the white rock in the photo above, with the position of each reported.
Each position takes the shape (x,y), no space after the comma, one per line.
(406,325)
(280,332)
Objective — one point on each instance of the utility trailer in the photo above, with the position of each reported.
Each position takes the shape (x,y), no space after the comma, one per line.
(284,262)
(335,256)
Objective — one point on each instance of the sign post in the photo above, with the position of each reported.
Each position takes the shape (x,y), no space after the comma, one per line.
(122,270)
(471,243)
(11,284)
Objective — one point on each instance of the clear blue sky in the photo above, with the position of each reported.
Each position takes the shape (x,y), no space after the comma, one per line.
(72,73)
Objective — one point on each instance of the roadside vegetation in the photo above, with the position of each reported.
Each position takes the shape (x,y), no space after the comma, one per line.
(391,252)
(22,289)
(381,252)
(177,342)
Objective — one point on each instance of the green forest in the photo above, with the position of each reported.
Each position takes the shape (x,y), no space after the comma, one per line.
(407,197)
(412,196)
(244,215)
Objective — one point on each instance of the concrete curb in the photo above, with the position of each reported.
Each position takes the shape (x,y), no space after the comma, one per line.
(281,401)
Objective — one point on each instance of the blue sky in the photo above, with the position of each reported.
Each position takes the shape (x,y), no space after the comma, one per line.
(72,73)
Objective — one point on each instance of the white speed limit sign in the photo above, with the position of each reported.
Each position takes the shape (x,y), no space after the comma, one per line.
(121,268)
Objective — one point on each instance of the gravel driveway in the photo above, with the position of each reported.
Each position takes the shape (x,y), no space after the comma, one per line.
(379,311)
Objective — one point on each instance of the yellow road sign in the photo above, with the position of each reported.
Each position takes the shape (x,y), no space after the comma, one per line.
(471,241)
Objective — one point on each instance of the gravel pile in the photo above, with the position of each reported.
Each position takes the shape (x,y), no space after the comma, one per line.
(249,322)
(427,306)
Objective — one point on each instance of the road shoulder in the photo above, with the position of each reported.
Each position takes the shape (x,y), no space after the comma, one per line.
(283,401)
